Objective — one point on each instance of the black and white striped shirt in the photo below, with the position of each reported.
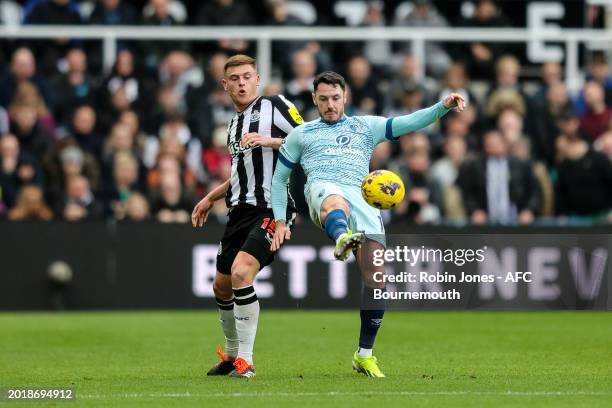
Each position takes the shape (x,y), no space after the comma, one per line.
(253,168)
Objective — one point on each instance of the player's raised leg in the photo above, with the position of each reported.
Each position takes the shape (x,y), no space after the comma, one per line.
(246,312)
(372,311)
(334,215)
(222,286)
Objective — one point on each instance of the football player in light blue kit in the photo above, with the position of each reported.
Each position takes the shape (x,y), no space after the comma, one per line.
(335,152)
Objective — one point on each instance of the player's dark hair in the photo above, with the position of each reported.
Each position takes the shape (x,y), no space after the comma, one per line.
(329,78)
(238,60)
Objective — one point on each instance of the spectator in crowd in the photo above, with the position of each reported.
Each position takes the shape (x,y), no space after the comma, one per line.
(126,180)
(366,96)
(169,164)
(497,188)
(79,202)
(506,87)
(172,203)
(412,98)
(27,95)
(33,136)
(181,93)
(161,15)
(64,160)
(584,178)
(30,205)
(598,71)
(23,69)
(72,88)
(130,119)
(17,169)
(121,90)
(408,74)
(58,12)
(596,119)
(378,52)
(52,12)
(155,51)
(552,75)
(569,129)
(521,149)
(83,130)
(121,139)
(113,12)
(424,197)
(543,125)
(299,89)
(222,108)
(510,125)
(214,72)
(425,14)
(282,51)
(444,172)
(227,12)
(456,81)
(216,158)
(137,208)
(460,125)
(481,56)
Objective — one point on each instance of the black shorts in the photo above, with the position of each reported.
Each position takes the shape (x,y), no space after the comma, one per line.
(249,229)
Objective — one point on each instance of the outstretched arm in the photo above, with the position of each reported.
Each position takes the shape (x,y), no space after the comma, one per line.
(393,128)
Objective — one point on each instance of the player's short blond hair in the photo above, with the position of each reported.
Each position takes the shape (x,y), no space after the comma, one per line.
(239,60)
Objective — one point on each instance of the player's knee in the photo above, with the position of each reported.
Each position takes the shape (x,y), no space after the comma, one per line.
(243,274)
(222,290)
(334,202)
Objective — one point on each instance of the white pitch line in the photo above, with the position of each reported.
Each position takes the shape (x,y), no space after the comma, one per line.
(346,394)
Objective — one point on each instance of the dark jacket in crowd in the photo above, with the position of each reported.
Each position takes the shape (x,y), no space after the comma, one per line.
(524,188)
(584,186)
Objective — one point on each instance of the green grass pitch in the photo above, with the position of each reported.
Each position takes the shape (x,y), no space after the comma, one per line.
(432,359)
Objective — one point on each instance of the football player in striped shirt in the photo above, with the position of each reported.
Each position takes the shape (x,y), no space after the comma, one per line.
(254,136)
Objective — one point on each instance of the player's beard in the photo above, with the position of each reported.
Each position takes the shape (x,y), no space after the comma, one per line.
(330,122)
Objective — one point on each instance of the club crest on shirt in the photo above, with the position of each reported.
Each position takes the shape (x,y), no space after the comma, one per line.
(255,116)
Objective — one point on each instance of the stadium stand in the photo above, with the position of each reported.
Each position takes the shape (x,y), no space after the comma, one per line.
(144,140)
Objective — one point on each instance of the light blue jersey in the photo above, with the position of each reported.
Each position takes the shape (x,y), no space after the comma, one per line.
(339,154)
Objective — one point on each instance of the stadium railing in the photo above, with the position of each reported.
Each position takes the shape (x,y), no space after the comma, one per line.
(264,36)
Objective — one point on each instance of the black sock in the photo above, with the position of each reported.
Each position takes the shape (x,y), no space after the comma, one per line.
(371,313)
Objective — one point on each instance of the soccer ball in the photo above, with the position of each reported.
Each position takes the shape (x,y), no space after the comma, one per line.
(383,189)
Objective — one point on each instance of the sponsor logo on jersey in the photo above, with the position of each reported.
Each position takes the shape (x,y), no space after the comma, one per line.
(235,148)
(343,150)
(343,140)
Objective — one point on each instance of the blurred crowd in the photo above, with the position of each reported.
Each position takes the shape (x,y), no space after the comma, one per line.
(147,139)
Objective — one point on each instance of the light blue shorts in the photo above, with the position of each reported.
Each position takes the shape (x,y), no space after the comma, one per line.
(362,218)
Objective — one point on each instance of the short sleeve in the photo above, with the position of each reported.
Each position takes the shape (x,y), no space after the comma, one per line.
(286,115)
